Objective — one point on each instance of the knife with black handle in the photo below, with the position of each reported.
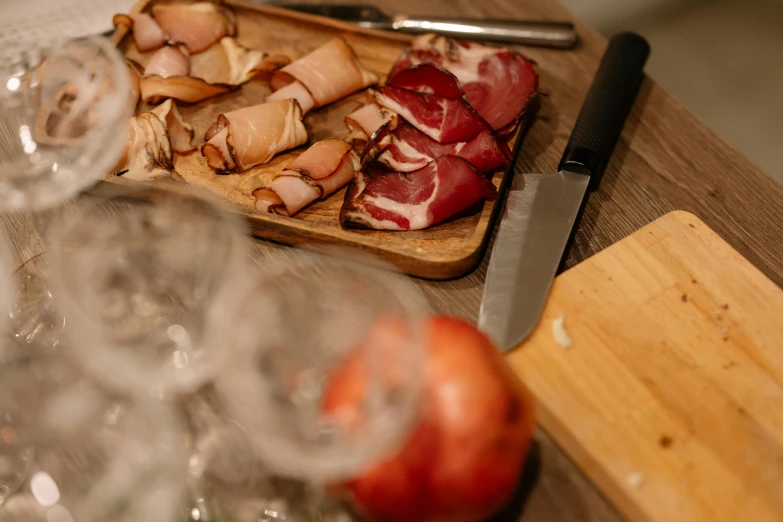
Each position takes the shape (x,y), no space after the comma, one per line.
(543,210)
(522,32)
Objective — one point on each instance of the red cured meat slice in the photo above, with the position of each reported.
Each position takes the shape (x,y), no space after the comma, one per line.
(428,78)
(405,149)
(385,200)
(498,82)
(502,108)
(442,119)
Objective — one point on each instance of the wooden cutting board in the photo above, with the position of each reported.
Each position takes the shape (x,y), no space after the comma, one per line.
(671,395)
(444,251)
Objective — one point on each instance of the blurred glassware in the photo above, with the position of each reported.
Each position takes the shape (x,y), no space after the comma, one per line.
(64,126)
(71,450)
(64,121)
(34,319)
(226,479)
(327,368)
(6,288)
(148,280)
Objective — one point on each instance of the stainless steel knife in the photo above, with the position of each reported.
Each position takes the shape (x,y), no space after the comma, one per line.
(542,210)
(539,33)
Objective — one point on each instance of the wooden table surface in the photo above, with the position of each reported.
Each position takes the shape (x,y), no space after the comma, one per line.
(666,160)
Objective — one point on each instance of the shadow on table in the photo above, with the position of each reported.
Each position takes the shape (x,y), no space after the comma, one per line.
(527,481)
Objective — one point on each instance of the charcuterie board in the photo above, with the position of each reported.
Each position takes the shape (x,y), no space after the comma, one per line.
(446,250)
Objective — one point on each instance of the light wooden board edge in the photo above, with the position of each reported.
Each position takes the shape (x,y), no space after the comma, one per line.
(438,265)
(536,362)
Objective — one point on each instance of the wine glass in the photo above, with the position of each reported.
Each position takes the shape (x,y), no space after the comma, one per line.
(327,369)
(78,451)
(64,123)
(226,478)
(147,280)
(64,126)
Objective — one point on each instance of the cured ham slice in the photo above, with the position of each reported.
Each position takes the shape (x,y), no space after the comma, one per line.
(444,120)
(155,89)
(403,148)
(166,76)
(251,136)
(328,73)
(498,82)
(384,200)
(146,32)
(134,88)
(317,173)
(167,62)
(366,120)
(152,136)
(171,73)
(294,91)
(267,200)
(198,26)
(232,64)
(179,131)
(428,78)
(148,153)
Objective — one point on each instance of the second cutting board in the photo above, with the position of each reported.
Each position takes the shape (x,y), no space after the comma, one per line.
(670,396)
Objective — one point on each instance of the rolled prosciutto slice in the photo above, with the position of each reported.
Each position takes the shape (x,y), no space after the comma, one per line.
(366,120)
(294,91)
(146,32)
(172,73)
(317,173)
(134,91)
(180,132)
(327,74)
(498,82)
(384,200)
(403,148)
(247,137)
(155,89)
(166,76)
(148,151)
(229,63)
(198,26)
(167,62)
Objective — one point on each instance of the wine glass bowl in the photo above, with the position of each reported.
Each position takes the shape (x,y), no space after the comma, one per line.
(85,453)
(64,121)
(327,367)
(147,281)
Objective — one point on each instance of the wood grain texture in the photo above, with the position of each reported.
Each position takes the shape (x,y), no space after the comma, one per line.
(666,160)
(675,375)
(444,251)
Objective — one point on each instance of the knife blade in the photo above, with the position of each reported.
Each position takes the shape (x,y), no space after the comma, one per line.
(524,32)
(543,210)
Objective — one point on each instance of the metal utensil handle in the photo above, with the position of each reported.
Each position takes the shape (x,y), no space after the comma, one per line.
(606,106)
(545,34)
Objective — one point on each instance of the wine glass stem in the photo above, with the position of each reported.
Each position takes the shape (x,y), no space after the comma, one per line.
(40,220)
(34,318)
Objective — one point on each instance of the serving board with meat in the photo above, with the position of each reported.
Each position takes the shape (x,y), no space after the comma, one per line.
(323,133)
